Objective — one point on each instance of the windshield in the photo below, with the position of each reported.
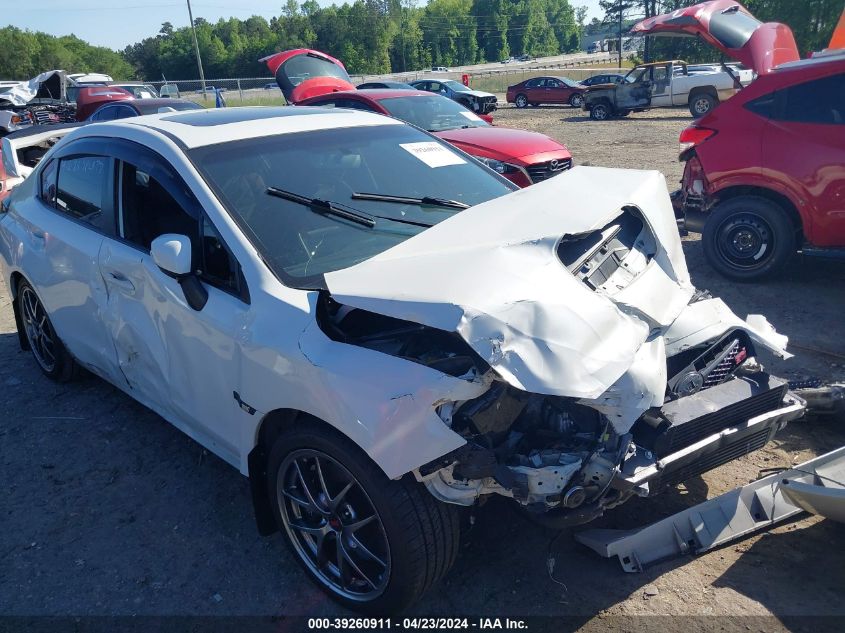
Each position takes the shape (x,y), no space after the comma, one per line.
(300,245)
(637,74)
(457,86)
(433,113)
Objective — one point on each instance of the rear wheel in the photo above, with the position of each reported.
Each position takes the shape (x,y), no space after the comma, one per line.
(702,103)
(49,352)
(600,112)
(521,101)
(373,544)
(748,238)
(576,100)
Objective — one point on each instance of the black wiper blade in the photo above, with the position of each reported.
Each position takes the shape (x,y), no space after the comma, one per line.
(425,200)
(323,206)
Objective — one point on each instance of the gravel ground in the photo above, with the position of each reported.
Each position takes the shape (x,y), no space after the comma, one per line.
(108,510)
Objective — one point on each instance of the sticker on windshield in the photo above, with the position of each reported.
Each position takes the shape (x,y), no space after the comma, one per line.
(432,154)
(471,115)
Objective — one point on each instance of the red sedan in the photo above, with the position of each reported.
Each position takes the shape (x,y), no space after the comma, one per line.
(315,79)
(539,90)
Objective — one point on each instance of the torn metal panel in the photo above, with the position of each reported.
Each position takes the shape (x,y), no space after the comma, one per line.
(505,291)
(815,485)
(48,85)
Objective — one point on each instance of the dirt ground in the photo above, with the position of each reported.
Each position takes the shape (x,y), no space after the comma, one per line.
(106,509)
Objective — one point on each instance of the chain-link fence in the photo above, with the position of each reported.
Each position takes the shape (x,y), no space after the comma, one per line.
(265,91)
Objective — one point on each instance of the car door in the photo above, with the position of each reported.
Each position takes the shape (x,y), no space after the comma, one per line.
(179,361)
(66,226)
(557,91)
(534,90)
(661,86)
(804,149)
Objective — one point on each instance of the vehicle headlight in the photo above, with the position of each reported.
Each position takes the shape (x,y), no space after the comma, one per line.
(497,165)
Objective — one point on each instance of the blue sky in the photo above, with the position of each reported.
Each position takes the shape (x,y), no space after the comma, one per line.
(116,23)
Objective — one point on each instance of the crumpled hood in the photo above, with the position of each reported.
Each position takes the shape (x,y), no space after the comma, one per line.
(52,85)
(477,93)
(492,274)
(502,140)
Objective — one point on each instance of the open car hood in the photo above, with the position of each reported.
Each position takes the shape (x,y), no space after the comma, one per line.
(303,73)
(730,27)
(51,86)
(494,274)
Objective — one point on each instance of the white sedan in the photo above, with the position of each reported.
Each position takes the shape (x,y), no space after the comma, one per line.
(377,330)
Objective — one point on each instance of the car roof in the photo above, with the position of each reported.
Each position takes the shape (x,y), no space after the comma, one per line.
(825,57)
(199,128)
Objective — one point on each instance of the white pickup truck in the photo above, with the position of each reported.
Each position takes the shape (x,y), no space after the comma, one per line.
(665,84)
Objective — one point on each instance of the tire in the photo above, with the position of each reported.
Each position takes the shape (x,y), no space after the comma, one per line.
(521,101)
(702,103)
(49,352)
(600,112)
(576,100)
(414,535)
(748,238)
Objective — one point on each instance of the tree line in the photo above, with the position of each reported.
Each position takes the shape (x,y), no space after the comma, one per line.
(381,36)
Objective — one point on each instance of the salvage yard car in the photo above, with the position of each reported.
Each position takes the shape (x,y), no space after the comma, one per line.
(520,156)
(20,153)
(661,85)
(377,329)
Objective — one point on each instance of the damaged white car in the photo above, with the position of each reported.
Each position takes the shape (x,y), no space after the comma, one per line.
(377,329)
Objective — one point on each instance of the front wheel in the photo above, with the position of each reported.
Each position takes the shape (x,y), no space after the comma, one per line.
(576,100)
(748,238)
(521,101)
(600,112)
(373,544)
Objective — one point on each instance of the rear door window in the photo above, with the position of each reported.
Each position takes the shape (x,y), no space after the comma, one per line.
(820,101)
(85,191)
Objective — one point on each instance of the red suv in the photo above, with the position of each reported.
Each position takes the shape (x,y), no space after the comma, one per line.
(765,171)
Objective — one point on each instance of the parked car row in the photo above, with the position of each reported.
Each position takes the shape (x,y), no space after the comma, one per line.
(454,113)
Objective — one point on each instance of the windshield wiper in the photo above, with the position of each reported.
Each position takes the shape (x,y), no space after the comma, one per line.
(326,207)
(323,206)
(425,200)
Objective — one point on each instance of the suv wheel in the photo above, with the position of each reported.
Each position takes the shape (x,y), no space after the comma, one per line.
(49,352)
(600,112)
(748,238)
(576,100)
(701,104)
(373,544)
(521,101)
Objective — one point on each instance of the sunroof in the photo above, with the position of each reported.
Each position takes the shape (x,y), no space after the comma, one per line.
(224,116)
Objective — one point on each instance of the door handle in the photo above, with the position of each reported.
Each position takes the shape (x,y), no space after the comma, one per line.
(38,234)
(121,281)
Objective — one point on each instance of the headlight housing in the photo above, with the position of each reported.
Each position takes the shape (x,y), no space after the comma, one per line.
(497,165)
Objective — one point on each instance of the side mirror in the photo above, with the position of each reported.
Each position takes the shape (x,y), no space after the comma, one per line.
(172,254)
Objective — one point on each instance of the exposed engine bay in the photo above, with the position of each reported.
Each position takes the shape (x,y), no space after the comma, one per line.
(601,372)
(557,456)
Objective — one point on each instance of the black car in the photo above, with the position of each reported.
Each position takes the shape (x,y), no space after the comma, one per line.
(595,80)
(381,85)
(475,100)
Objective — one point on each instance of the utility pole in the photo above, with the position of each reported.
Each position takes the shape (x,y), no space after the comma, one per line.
(196,48)
(620,34)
